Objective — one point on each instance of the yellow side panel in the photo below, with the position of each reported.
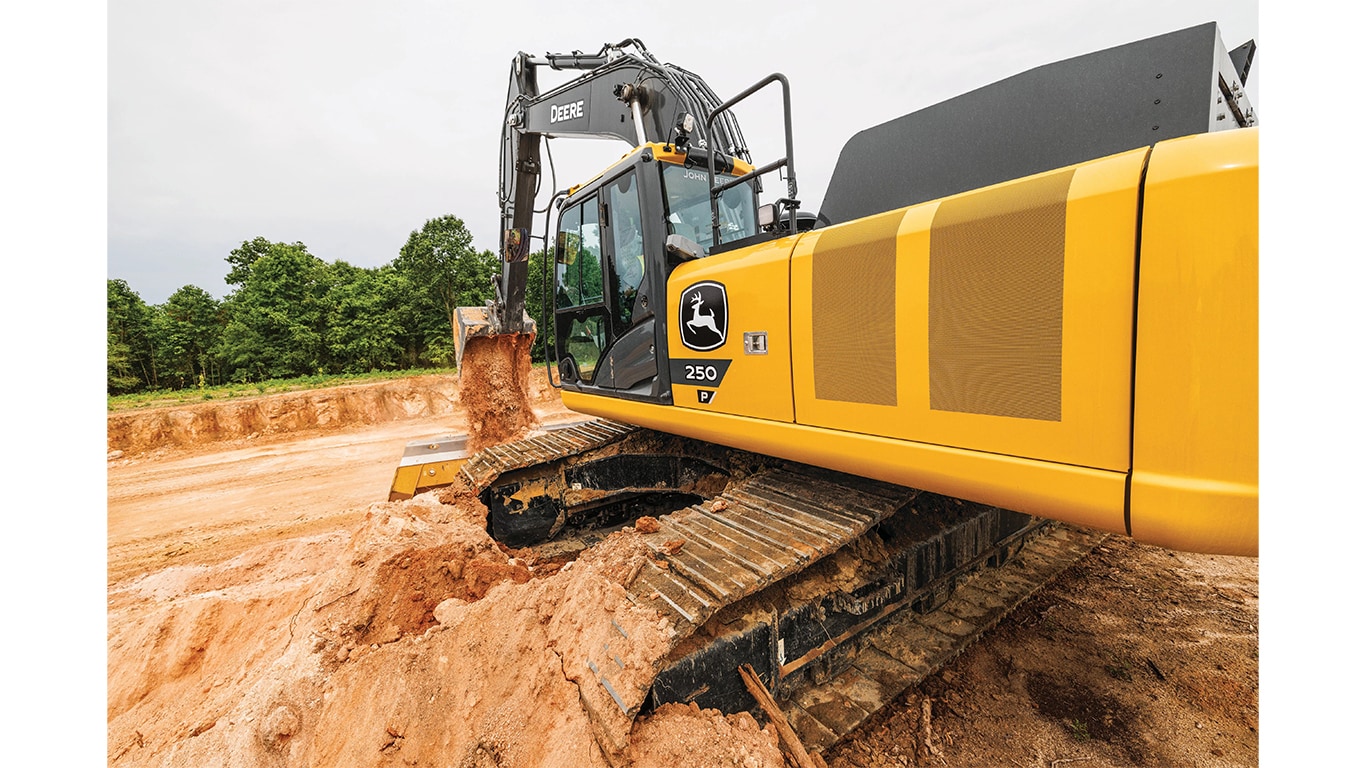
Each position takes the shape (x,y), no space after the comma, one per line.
(876,327)
(754,384)
(1087,423)
(1195,406)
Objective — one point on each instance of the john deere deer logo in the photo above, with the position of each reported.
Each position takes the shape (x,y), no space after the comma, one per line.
(702,316)
(699,320)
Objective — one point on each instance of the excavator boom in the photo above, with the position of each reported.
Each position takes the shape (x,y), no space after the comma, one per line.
(624,93)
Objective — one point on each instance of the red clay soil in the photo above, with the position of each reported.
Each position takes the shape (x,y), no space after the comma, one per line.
(495,387)
(416,640)
(292,415)
(676,735)
(1134,657)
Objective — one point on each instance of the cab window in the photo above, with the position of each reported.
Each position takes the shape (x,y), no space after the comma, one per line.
(689,206)
(578,257)
(581,320)
(628,247)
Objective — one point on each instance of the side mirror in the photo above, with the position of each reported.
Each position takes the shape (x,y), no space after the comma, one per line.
(771,219)
(567,247)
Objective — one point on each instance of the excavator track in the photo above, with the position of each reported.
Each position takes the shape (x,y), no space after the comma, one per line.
(766,527)
(840,591)
(911,646)
(557,443)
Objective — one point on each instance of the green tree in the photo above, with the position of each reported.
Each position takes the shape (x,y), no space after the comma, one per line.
(275,321)
(540,281)
(363,329)
(441,259)
(440,271)
(186,331)
(130,362)
(242,258)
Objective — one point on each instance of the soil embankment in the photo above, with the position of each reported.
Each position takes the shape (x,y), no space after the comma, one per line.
(286,415)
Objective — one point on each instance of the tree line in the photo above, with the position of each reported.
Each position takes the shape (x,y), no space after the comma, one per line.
(290,313)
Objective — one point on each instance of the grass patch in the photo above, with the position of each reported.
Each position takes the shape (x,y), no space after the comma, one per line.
(167,397)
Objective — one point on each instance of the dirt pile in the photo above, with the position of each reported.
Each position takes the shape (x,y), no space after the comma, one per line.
(416,641)
(495,386)
(677,735)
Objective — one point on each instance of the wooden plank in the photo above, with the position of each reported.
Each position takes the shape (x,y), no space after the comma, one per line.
(787,738)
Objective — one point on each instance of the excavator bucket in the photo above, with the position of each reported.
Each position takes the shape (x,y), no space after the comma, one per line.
(476,323)
(470,322)
(497,318)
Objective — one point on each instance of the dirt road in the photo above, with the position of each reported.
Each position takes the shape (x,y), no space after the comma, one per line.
(219,545)
(208,506)
(241,483)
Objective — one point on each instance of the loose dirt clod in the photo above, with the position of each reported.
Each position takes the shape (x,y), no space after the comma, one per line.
(677,735)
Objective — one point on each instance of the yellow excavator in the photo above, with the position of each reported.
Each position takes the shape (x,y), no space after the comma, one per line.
(1033,302)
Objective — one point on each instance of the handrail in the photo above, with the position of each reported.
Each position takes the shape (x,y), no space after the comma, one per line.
(790,201)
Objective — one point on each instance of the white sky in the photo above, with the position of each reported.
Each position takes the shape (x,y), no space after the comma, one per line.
(346,125)
(146,139)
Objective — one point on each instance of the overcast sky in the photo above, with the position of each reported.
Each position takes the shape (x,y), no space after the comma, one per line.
(348,124)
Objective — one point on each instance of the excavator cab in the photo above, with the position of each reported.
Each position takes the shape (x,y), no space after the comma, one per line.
(612,264)
(623,93)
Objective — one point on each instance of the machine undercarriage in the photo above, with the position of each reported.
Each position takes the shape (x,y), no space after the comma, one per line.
(794,570)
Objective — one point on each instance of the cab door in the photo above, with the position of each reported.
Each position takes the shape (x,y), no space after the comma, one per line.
(582,320)
(630,365)
(605,329)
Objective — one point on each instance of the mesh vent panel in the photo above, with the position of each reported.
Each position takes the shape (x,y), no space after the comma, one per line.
(996,274)
(853,311)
